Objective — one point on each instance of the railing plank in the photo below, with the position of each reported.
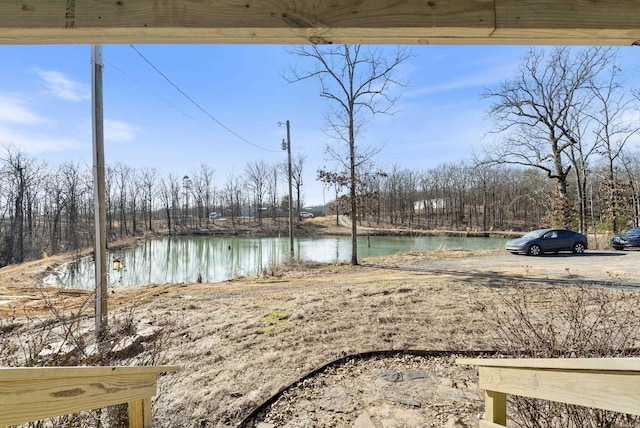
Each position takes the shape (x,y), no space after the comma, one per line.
(30,394)
(606,364)
(23,373)
(618,391)
(601,383)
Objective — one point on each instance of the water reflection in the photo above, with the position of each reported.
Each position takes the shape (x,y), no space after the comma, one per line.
(215,259)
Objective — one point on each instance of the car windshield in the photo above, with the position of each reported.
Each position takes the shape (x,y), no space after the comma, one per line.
(535,233)
(634,231)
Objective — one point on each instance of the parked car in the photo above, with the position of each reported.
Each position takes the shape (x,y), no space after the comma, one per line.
(306,214)
(541,241)
(630,238)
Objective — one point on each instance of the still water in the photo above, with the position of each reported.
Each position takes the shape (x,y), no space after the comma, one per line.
(215,259)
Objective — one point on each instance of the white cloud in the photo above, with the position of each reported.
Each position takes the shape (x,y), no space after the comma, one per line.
(61,86)
(34,143)
(473,73)
(118,131)
(473,81)
(13,110)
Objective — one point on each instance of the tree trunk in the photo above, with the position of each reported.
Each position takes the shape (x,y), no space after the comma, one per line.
(352,192)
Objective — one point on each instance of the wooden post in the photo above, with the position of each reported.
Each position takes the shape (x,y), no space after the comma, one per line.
(140,413)
(291,253)
(100,238)
(496,407)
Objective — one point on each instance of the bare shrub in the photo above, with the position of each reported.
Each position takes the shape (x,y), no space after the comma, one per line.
(566,322)
(66,337)
(289,267)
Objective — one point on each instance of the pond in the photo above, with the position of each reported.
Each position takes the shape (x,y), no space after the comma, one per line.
(215,259)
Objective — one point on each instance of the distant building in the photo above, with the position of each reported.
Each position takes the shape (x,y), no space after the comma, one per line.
(434,204)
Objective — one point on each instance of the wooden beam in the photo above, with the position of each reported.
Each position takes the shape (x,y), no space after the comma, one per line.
(595,364)
(574,22)
(601,383)
(618,391)
(29,394)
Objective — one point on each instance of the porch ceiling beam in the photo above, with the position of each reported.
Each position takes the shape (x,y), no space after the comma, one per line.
(570,22)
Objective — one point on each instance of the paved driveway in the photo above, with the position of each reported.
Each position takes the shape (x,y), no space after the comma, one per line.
(604,267)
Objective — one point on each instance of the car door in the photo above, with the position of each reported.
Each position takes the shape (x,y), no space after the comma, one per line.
(549,241)
(564,241)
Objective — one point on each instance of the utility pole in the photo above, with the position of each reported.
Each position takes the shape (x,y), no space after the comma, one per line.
(186,184)
(337,215)
(287,145)
(100,239)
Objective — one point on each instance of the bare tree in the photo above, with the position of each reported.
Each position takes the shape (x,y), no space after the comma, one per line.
(232,192)
(170,197)
(369,193)
(53,206)
(257,176)
(19,174)
(297,166)
(614,127)
(203,189)
(73,190)
(401,188)
(122,177)
(272,190)
(358,81)
(110,199)
(630,183)
(537,109)
(134,196)
(149,179)
(336,180)
(430,195)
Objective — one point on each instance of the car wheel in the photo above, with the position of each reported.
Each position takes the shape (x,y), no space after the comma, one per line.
(578,248)
(618,248)
(534,250)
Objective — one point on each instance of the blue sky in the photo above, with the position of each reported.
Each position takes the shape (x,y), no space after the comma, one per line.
(45,106)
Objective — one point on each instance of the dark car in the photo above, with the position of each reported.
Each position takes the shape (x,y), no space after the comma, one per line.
(541,241)
(630,238)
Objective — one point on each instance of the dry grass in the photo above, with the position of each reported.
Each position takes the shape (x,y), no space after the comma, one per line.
(241,341)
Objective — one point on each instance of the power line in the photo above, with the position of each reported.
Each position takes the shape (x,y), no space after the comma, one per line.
(151,91)
(198,105)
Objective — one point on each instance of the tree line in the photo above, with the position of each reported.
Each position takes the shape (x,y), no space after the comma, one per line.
(47,210)
(472,196)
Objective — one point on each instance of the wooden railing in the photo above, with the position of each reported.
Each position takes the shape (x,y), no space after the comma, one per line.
(34,393)
(601,383)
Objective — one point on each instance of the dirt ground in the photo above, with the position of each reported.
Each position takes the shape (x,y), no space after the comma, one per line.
(242,341)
